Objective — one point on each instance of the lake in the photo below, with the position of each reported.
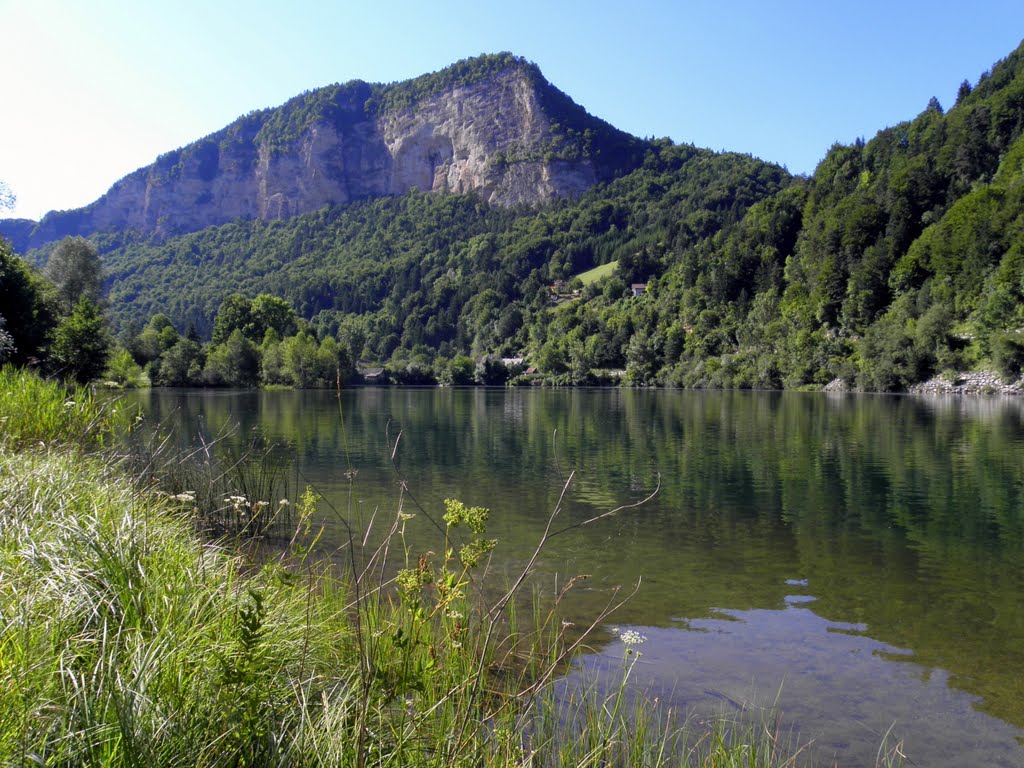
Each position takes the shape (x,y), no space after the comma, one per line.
(853,563)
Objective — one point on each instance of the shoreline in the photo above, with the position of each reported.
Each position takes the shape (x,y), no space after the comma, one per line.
(961,383)
(972,383)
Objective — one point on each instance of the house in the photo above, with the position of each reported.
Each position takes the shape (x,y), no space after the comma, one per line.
(371,374)
(638,289)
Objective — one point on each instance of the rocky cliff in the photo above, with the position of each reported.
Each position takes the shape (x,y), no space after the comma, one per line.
(491,125)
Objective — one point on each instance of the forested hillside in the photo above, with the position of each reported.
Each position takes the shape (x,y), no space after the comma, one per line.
(426,273)
(900,258)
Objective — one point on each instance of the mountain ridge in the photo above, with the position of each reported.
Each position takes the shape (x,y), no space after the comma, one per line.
(491,125)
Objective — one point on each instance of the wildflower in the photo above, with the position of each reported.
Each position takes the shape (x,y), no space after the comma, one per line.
(283,503)
(187,496)
(472,552)
(631,637)
(411,580)
(457,513)
(403,516)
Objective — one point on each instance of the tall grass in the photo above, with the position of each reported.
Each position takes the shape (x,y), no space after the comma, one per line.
(240,491)
(36,412)
(125,640)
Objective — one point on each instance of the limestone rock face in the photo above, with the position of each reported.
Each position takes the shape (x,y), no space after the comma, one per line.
(492,136)
(451,143)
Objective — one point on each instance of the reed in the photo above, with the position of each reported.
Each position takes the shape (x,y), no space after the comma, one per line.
(36,412)
(239,491)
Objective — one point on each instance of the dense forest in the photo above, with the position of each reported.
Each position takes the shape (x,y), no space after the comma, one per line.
(900,258)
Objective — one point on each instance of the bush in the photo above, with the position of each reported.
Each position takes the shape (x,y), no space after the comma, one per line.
(1008,354)
(122,370)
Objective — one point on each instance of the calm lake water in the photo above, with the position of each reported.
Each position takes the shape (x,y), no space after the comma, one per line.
(855,562)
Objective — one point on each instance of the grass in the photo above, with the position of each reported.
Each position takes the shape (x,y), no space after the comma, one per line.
(34,411)
(598,273)
(126,640)
(231,491)
(565,304)
(587,278)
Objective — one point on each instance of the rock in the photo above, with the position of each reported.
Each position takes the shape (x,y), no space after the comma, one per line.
(495,134)
(970,383)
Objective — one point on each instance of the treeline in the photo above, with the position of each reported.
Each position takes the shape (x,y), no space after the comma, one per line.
(262,342)
(55,320)
(257,341)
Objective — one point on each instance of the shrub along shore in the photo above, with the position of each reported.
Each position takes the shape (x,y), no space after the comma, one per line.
(126,639)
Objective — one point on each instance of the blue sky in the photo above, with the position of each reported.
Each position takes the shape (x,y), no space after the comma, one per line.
(93,89)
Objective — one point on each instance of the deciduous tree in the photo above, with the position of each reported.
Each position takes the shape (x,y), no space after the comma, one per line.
(81,343)
(74,269)
(28,315)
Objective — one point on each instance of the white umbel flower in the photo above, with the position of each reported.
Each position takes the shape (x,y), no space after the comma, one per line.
(631,637)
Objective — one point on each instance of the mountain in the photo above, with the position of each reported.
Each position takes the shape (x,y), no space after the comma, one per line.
(899,259)
(491,125)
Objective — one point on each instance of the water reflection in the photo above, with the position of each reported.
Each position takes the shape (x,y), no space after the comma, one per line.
(772,665)
(863,554)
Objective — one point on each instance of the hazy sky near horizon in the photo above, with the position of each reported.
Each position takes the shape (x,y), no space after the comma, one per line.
(92,90)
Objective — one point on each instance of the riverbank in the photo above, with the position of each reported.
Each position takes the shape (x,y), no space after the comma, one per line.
(968,383)
(962,383)
(126,639)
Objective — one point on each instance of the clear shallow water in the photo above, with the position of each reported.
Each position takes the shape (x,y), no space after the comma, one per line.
(857,561)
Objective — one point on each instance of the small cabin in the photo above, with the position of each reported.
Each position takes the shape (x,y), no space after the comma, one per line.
(374,375)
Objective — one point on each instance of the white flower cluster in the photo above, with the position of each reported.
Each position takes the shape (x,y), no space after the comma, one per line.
(239,504)
(631,637)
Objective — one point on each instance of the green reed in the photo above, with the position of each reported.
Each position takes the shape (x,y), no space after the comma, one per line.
(36,412)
